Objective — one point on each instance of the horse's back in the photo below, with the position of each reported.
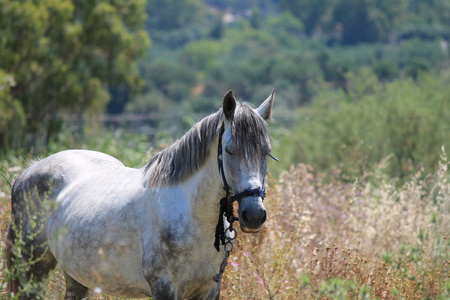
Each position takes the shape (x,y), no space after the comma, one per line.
(40,184)
(44,179)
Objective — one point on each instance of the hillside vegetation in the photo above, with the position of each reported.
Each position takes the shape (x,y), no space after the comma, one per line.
(324,58)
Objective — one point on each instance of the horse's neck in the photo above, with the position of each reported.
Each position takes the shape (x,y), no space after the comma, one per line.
(205,191)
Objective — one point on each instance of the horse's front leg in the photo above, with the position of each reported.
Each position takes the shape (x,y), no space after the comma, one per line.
(74,289)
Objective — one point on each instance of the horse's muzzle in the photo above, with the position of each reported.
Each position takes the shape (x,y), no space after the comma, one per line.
(252,214)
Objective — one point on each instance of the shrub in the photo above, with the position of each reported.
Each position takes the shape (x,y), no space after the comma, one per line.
(352,131)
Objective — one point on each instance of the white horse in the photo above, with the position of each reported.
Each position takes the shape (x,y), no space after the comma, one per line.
(146,232)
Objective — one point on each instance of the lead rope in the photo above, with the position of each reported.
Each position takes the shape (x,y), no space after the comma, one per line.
(226,208)
(228,247)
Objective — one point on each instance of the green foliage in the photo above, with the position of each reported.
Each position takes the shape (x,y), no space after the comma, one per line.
(218,27)
(173,23)
(311,12)
(11,111)
(61,55)
(428,12)
(385,70)
(202,55)
(285,27)
(171,14)
(366,20)
(23,260)
(291,45)
(307,50)
(352,131)
(348,21)
(336,288)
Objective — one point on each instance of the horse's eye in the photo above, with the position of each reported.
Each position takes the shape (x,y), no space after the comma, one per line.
(228,150)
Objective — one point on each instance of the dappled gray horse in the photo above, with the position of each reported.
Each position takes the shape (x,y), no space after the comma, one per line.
(146,232)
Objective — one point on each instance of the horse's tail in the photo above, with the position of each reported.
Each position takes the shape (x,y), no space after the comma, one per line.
(13,284)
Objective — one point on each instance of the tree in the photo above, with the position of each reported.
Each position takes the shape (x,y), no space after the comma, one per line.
(310,12)
(173,14)
(61,56)
(218,28)
(367,20)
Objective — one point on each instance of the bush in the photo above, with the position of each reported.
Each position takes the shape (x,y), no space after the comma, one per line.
(353,131)
(11,114)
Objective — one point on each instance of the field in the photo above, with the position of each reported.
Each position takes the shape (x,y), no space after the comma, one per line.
(359,204)
(370,239)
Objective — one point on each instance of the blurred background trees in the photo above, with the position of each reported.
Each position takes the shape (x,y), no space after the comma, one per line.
(336,64)
(60,56)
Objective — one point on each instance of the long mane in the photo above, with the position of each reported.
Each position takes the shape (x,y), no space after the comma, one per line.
(188,154)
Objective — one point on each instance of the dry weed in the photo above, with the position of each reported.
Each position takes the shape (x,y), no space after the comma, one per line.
(366,240)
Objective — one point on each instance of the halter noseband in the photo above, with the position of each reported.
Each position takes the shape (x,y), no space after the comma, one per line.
(226,203)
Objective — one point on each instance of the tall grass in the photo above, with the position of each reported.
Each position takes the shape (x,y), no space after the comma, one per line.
(366,240)
(370,239)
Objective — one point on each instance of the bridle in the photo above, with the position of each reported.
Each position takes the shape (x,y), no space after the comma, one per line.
(226,203)
(226,208)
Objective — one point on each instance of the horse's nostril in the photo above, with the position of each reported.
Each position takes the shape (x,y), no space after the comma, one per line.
(244,216)
(264,218)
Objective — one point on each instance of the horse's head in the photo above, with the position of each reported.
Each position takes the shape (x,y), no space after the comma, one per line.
(245,148)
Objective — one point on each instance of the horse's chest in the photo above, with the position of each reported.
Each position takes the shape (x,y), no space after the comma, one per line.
(182,255)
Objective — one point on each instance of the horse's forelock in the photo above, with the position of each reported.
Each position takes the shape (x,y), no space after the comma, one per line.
(250,134)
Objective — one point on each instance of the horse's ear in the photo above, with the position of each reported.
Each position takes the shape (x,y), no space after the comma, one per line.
(265,109)
(229,104)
